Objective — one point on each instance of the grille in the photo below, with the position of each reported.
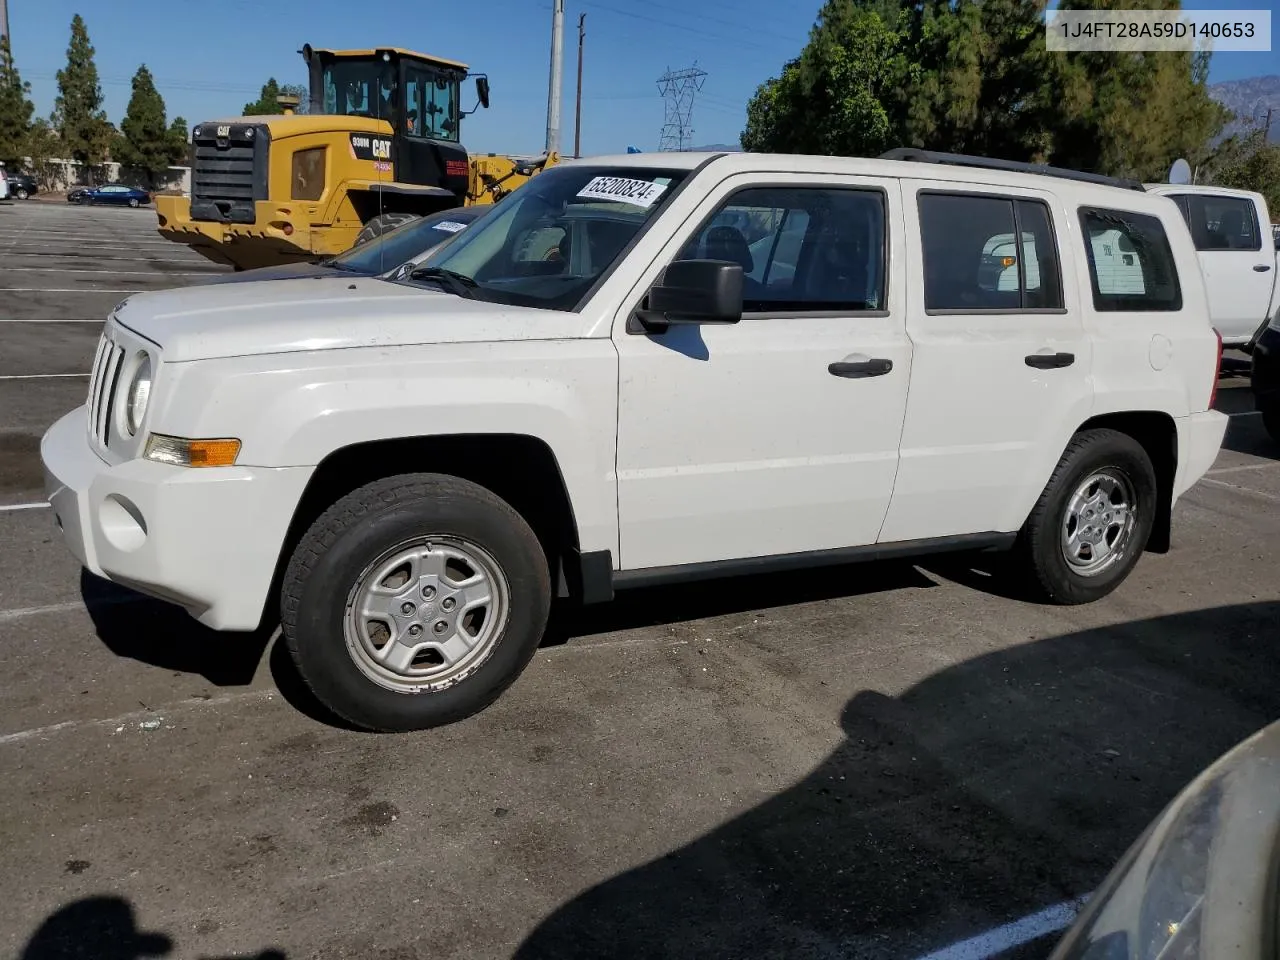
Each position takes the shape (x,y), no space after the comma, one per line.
(225,174)
(102,387)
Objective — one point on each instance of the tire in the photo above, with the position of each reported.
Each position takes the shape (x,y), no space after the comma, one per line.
(382,224)
(1271,421)
(1042,545)
(133,203)
(355,544)
(21,193)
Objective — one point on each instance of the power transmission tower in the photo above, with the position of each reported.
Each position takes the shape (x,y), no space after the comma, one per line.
(678,88)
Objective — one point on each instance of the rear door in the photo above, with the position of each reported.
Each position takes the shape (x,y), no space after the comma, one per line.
(1000,372)
(1237,259)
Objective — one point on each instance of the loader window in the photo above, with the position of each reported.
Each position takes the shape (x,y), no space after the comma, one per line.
(358,88)
(431,104)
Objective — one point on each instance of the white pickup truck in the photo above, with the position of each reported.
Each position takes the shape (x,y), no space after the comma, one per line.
(1236,247)
(644,369)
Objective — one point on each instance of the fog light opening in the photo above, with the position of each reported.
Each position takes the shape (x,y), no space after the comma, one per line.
(122,523)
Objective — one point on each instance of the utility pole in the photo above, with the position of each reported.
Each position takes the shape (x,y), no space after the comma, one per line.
(577,112)
(557,70)
(1266,127)
(4,21)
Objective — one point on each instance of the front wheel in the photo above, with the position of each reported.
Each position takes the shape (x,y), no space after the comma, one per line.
(1092,522)
(21,193)
(133,202)
(414,602)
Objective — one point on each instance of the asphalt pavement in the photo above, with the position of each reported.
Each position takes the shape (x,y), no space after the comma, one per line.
(874,761)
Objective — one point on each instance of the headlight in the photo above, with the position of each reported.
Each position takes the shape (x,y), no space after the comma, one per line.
(139,393)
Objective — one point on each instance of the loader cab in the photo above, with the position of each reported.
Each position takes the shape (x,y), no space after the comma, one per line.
(419,97)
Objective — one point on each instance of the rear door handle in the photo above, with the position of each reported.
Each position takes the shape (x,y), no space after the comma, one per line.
(858,369)
(1050,361)
(1261,267)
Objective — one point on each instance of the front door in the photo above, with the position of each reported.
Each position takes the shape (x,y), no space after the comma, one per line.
(778,434)
(1001,364)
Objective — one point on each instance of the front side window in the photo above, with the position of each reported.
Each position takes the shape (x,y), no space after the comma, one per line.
(1220,223)
(988,253)
(1131,264)
(800,248)
(548,243)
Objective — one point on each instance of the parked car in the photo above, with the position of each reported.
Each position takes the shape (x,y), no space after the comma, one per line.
(599,385)
(111,193)
(1237,253)
(22,186)
(1201,881)
(404,246)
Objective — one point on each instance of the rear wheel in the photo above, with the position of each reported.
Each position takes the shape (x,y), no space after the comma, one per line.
(1092,522)
(415,601)
(382,224)
(133,202)
(21,193)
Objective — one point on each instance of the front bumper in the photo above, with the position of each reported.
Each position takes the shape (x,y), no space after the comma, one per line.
(206,539)
(279,234)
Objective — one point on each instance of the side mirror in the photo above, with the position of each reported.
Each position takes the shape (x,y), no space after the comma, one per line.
(694,291)
(482,91)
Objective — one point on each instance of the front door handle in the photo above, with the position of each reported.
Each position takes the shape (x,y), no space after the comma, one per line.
(857,369)
(1050,361)
(1261,267)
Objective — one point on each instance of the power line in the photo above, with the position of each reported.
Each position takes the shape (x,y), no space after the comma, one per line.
(678,88)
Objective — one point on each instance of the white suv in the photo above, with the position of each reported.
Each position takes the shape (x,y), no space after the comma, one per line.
(645,369)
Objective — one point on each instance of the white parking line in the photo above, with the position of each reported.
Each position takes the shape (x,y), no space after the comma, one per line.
(40,505)
(39,376)
(68,290)
(1249,491)
(114,273)
(1022,931)
(1242,469)
(156,712)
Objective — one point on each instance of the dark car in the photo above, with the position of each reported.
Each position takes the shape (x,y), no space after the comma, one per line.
(409,241)
(22,185)
(110,193)
(1201,883)
(1264,374)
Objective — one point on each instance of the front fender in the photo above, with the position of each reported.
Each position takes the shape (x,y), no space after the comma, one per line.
(297,409)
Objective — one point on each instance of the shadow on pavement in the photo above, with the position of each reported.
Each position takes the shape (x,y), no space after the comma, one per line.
(1245,432)
(165,635)
(104,928)
(988,791)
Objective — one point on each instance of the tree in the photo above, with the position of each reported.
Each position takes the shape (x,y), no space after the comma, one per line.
(179,140)
(41,146)
(15,109)
(78,117)
(1246,162)
(975,76)
(268,104)
(146,140)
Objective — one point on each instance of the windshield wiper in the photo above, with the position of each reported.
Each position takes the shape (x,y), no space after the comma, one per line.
(458,283)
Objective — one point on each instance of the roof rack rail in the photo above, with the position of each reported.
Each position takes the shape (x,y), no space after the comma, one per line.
(913,155)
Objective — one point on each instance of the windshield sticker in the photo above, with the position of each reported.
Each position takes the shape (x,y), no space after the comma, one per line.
(450,226)
(639,193)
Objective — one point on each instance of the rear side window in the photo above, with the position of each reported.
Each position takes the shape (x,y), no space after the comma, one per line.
(1131,264)
(985,253)
(1220,223)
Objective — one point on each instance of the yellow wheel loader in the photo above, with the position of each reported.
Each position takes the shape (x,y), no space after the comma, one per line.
(379,145)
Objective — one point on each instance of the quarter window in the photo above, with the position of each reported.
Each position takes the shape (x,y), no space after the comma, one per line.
(988,254)
(1220,223)
(1130,262)
(802,249)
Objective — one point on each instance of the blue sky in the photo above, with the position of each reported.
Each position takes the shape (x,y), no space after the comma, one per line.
(211,56)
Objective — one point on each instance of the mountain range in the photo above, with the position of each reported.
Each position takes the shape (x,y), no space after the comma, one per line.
(1250,98)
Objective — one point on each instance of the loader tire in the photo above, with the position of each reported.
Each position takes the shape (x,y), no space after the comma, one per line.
(381,224)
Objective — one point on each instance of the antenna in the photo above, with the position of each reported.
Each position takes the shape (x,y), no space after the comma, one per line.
(678,88)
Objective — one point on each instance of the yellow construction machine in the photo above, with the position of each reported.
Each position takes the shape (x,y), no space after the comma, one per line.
(379,145)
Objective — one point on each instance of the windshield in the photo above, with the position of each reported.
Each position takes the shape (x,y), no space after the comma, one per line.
(358,88)
(548,243)
(404,242)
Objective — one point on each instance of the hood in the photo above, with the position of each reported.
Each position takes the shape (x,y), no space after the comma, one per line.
(287,316)
(285,271)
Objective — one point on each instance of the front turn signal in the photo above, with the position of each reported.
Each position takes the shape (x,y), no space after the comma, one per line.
(182,452)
